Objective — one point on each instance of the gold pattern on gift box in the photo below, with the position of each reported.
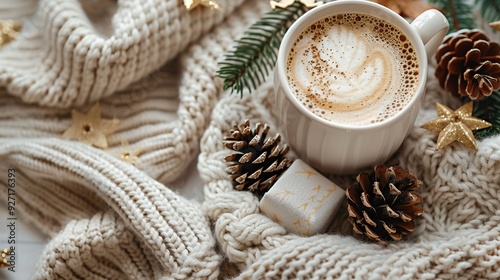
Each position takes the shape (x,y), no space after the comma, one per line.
(284,194)
(309,173)
(285,3)
(90,128)
(455,126)
(276,219)
(315,202)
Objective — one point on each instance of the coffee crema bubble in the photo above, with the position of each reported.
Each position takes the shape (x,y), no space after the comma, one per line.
(353,69)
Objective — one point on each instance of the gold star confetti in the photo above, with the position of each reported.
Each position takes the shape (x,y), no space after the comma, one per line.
(3,260)
(128,155)
(285,3)
(495,25)
(191,4)
(90,128)
(9,30)
(455,126)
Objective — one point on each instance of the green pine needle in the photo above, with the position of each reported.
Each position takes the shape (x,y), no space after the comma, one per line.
(488,109)
(458,13)
(490,9)
(253,58)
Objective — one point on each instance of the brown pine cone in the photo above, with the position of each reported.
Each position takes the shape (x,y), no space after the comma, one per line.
(383,204)
(258,160)
(469,64)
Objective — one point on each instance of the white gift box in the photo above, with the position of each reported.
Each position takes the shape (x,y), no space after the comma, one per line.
(302,200)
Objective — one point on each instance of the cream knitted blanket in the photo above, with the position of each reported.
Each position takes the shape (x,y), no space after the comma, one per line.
(115,220)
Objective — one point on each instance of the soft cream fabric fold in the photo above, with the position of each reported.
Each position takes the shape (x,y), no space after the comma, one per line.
(60,60)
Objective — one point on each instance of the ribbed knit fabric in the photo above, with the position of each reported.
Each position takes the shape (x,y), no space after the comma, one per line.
(173,228)
(163,127)
(103,245)
(63,61)
(66,186)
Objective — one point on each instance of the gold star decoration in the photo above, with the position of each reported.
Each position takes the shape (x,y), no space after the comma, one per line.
(128,155)
(495,25)
(3,261)
(9,29)
(455,126)
(90,128)
(285,3)
(191,4)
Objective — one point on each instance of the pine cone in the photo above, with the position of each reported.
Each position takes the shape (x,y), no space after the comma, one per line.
(258,161)
(469,64)
(383,204)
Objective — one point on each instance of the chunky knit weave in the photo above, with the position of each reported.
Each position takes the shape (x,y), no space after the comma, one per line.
(65,185)
(104,245)
(114,220)
(458,237)
(68,63)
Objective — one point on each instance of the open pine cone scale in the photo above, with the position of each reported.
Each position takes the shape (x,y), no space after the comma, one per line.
(257,160)
(383,204)
(469,64)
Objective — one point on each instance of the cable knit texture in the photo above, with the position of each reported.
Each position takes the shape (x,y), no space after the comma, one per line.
(112,219)
(457,238)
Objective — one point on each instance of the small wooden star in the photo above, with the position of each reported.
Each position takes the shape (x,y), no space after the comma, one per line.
(285,3)
(3,260)
(191,4)
(9,30)
(128,155)
(90,128)
(455,126)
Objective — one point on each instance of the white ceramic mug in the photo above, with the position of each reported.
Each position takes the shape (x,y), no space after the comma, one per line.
(342,148)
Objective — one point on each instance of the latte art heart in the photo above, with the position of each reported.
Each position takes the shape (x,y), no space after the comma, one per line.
(353,69)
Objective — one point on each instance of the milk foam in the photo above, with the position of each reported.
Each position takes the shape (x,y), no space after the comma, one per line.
(353,68)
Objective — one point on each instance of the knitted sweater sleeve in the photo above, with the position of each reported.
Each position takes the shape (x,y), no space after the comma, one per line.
(62,59)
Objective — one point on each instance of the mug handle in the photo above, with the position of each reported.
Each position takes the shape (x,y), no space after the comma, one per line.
(431,26)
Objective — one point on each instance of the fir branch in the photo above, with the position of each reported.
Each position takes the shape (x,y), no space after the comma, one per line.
(253,58)
(488,109)
(458,13)
(490,9)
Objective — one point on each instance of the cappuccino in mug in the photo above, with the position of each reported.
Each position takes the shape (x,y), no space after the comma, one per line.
(353,69)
